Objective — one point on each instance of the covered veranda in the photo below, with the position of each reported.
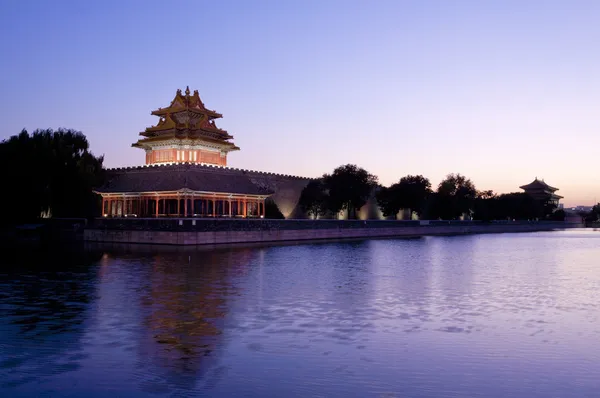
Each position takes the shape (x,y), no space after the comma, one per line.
(183,203)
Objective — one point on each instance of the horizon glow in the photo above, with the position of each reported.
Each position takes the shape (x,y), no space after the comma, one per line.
(501,93)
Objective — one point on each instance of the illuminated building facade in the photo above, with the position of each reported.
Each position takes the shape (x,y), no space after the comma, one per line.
(186,173)
(186,132)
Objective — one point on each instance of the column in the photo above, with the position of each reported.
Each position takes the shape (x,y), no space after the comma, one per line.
(245,208)
(229,203)
(193,206)
(214,209)
(185,212)
(157,202)
(178,206)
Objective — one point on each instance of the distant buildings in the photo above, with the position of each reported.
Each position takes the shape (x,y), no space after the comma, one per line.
(579,209)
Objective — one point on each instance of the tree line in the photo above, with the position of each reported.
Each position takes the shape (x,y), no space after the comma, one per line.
(592,216)
(349,188)
(53,173)
(49,173)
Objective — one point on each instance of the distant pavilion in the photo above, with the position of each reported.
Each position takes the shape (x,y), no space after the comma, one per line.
(541,191)
(185,173)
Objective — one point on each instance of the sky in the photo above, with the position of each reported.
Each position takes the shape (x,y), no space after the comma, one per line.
(501,92)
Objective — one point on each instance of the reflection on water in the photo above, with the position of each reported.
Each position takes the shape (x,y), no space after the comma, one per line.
(489,315)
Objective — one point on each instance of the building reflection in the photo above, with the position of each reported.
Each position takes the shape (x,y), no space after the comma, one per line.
(183,299)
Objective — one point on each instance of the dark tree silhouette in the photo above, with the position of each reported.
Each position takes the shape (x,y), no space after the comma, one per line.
(314,198)
(387,200)
(272,210)
(516,206)
(349,187)
(411,192)
(455,196)
(558,215)
(485,206)
(595,212)
(51,173)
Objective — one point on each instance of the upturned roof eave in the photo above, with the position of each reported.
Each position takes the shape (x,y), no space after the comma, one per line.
(173,110)
(144,142)
(175,131)
(538,184)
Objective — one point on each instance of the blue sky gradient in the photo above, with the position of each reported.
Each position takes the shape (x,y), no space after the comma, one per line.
(501,92)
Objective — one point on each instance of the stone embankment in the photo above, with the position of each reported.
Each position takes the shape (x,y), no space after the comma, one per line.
(188,231)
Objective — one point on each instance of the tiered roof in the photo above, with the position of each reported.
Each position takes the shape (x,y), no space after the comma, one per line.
(538,184)
(186,118)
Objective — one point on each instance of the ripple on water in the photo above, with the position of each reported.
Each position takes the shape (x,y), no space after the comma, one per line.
(493,316)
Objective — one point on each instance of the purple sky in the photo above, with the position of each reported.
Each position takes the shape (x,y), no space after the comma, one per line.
(501,92)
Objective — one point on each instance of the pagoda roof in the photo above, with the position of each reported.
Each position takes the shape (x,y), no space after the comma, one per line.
(538,184)
(185,102)
(181,177)
(166,123)
(186,135)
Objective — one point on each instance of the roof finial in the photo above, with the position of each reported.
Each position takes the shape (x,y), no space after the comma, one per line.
(187,90)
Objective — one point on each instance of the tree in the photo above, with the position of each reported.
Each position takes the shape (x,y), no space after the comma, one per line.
(485,207)
(49,172)
(272,210)
(387,200)
(518,206)
(313,198)
(558,215)
(455,196)
(349,187)
(594,214)
(411,192)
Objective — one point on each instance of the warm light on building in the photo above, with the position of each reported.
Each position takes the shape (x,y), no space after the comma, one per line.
(185,173)
(186,133)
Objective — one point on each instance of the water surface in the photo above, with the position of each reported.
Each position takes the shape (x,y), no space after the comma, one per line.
(506,315)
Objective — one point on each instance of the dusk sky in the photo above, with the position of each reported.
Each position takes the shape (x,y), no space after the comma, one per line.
(499,91)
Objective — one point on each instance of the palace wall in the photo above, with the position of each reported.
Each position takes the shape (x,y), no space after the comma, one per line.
(286,188)
(214,232)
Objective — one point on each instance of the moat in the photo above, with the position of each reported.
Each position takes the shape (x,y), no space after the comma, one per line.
(491,315)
